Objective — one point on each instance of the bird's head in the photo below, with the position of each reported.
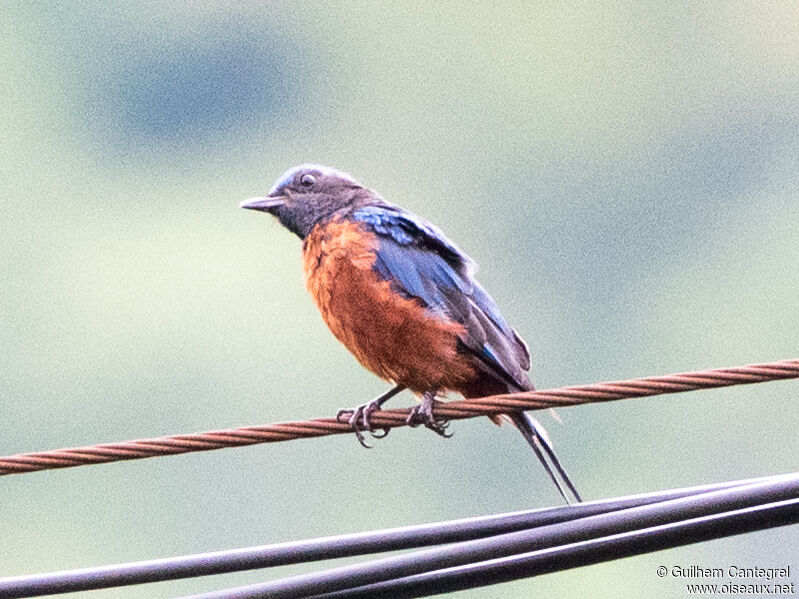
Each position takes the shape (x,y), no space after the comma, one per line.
(309,194)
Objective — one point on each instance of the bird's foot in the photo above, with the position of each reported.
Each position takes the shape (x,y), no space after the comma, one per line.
(360,420)
(423,414)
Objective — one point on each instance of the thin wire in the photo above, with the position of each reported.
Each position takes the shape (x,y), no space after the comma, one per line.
(467,554)
(325,548)
(454,410)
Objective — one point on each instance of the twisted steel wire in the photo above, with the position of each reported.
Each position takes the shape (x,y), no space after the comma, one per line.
(454,410)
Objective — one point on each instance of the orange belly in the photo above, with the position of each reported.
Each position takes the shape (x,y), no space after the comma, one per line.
(393,336)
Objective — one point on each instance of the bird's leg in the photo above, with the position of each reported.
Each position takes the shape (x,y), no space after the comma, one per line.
(359,417)
(423,414)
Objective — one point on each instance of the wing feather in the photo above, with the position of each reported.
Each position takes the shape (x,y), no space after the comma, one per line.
(420,262)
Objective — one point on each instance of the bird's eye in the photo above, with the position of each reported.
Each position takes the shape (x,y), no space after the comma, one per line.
(307,180)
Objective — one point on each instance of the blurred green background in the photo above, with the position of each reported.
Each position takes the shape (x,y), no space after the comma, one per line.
(626,175)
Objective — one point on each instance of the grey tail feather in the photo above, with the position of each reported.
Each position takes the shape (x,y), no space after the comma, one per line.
(533,432)
(537,438)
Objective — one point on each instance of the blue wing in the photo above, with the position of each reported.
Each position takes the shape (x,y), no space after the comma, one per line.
(420,262)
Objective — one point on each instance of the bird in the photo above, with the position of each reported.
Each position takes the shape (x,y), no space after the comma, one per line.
(404,300)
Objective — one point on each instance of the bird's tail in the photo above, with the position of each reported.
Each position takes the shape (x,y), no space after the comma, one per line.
(537,438)
(498,381)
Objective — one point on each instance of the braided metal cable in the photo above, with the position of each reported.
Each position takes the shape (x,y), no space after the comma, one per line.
(454,410)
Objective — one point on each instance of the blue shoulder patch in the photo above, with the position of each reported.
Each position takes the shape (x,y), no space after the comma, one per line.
(384,223)
(407,228)
(427,263)
(420,262)
(417,258)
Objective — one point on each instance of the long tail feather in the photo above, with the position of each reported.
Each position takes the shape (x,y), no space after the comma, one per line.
(537,438)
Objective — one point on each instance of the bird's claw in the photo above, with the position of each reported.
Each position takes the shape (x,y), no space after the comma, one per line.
(360,420)
(423,414)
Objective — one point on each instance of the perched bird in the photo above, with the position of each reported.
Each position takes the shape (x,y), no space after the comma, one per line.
(403,299)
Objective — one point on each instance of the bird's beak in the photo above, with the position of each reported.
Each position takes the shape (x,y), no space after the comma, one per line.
(267,204)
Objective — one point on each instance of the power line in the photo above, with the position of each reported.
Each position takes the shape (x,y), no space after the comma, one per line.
(545,549)
(379,541)
(453,410)
(585,553)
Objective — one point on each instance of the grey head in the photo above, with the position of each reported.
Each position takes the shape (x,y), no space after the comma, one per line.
(309,194)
